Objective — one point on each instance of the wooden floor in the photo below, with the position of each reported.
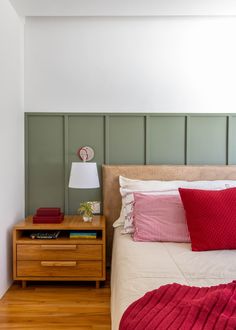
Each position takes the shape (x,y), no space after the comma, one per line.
(57,306)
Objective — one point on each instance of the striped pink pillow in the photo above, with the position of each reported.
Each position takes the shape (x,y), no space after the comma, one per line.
(159,218)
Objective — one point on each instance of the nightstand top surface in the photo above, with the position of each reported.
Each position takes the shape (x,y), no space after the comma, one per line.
(70,222)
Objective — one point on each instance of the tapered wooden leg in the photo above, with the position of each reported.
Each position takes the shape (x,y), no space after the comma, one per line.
(24,284)
(97,284)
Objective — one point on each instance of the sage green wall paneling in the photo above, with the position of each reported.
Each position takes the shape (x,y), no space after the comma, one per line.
(232,140)
(167,140)
(126,139)
(85,131)
(45,162)
(207,140)
(52,141)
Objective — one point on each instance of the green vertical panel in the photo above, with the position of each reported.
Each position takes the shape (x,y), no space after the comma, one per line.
(147,140)
(232,140)
(45,162)
(85,131)
(106,139)
(207,140)
(167,140)
(66,195)
(187,134)
(127,140)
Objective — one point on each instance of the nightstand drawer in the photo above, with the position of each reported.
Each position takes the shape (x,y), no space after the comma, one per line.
(59,268)
(59,252)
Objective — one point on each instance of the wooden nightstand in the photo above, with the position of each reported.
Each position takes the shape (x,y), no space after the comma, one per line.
(61,259)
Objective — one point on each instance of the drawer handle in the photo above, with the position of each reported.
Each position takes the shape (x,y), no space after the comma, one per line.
(58,263)
(58,247)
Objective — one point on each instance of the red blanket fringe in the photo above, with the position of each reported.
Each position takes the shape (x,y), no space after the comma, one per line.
(176,306)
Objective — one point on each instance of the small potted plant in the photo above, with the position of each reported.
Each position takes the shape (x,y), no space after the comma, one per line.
(86,209)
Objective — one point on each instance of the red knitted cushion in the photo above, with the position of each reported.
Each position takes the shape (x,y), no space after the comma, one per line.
(211,218)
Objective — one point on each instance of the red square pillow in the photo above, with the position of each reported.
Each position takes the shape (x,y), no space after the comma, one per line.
(211,218)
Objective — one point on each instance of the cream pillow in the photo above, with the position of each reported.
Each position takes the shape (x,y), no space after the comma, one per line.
(129,186)
(140,186)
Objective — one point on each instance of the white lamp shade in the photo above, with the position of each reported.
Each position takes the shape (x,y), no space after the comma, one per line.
(84,176)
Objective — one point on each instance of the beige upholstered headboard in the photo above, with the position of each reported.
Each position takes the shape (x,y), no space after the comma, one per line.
(111,194)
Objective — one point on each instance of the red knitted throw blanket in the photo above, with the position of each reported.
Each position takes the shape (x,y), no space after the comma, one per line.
(176,306)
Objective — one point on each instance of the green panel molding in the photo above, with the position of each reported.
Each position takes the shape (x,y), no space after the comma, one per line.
(232,140)
(82,131)
(207,140)
(52,140)
(167,140)
(126,140)
(45,166)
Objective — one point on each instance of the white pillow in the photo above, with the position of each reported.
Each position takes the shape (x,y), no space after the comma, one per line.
(140,186)
(148,185)
(129,186)
(121,220)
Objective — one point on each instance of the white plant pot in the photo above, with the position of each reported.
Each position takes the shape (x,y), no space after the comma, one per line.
(87,219)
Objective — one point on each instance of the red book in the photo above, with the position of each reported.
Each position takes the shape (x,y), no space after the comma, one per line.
(48,218)
(45,211)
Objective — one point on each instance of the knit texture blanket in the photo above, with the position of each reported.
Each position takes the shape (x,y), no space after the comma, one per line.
(176,306)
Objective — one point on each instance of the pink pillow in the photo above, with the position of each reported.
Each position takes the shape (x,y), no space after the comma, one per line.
(211,218)
(159,218)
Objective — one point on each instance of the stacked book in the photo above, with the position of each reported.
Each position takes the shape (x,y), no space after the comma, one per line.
(83,234)
(48,215)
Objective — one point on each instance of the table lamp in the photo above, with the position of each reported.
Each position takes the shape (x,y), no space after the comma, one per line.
(84,175)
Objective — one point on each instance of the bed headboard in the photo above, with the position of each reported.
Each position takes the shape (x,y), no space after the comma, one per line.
(111,194)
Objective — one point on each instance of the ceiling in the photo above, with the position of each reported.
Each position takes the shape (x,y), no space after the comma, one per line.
(124,7)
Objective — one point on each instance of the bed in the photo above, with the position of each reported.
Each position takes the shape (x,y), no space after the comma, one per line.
(138,267)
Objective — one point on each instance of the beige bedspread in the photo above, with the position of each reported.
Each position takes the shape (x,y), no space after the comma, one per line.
(138,267)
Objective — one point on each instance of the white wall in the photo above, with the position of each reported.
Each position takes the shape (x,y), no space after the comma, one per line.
(11,135)
(168,64)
